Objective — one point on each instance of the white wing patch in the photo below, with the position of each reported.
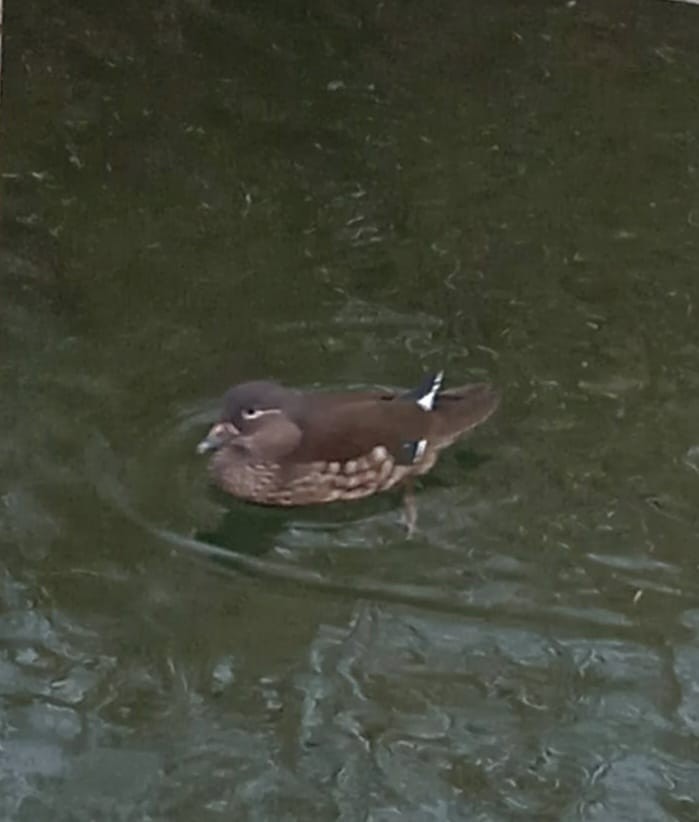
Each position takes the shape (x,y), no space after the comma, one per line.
(426,401)
(419,450)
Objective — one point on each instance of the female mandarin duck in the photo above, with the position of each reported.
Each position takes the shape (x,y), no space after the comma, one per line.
(279,446)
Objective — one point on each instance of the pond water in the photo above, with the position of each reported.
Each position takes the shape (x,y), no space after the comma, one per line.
(197,192)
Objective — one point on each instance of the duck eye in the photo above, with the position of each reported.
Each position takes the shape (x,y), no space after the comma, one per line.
(250,413)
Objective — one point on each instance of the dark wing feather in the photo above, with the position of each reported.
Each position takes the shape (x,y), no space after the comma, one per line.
(348,425)
(335,429)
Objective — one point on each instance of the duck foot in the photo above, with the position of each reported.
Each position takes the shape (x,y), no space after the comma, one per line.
(409,509)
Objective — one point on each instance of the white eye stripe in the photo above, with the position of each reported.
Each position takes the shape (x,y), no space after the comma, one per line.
(254,413)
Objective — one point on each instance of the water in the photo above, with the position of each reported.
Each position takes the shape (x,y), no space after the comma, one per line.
(194,194)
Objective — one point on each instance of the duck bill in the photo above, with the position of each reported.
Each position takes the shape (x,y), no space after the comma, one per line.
(217,436)
(208,444)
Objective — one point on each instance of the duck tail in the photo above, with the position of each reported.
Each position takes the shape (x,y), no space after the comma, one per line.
(458,410)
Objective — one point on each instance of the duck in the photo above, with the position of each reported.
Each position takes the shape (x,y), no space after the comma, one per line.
(280,446)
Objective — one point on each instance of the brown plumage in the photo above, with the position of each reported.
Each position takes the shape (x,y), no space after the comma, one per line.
(278,446)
